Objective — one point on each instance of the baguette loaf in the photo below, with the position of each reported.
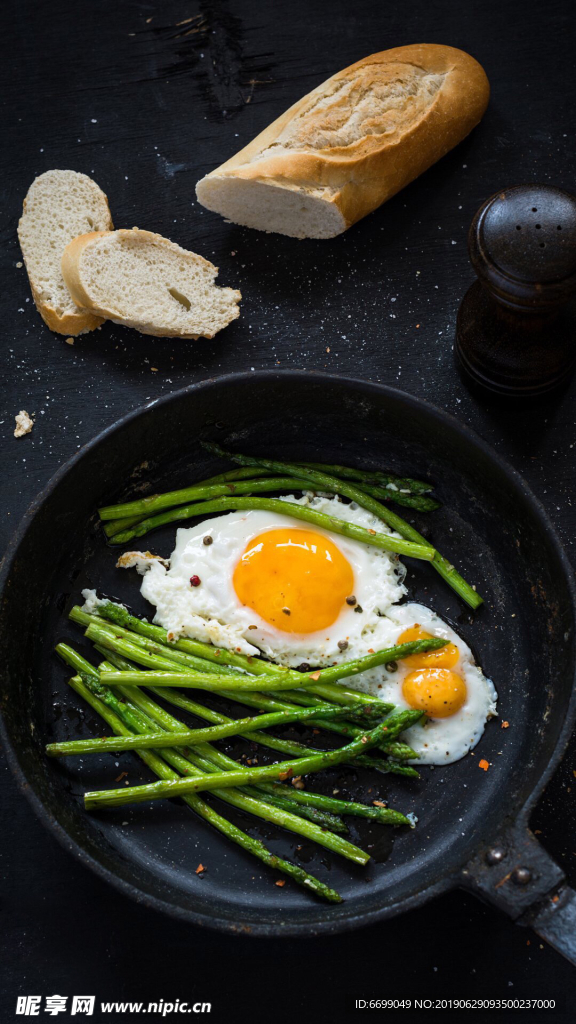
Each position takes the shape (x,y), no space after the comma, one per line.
(59,205)
(142,280)
(351,143)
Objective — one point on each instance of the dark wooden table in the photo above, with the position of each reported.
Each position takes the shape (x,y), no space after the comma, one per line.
(147,97)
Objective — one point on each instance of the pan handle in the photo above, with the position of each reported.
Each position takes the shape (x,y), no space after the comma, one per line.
(555,922)
(516,874)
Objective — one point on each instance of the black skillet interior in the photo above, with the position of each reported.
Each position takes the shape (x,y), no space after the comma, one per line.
(490,525)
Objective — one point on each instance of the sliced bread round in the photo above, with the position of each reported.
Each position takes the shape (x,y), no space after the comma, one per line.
(142,280)
(59,206)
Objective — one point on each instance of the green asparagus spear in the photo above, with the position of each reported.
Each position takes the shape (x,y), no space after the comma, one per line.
(384,541)
(324,481)
(385,815)
(325,819)
(365,476)
(188,737)
(392,726)
(200,492)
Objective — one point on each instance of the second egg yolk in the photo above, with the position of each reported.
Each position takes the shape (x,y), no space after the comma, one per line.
(438,692)
(296,580)
(444,657)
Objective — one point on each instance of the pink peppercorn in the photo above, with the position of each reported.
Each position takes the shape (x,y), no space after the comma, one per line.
(195,581)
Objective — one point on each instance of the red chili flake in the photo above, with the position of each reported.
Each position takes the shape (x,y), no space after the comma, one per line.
(200,869)
(379,803)
(195,581)
(373,532)
(280,883)
(315,676)
(483,764)
(505,725)
(285,775)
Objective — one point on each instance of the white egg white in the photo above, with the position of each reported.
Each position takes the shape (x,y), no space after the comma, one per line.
(212,610)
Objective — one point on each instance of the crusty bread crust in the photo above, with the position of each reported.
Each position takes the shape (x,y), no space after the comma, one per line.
(71,322)
(357,177)
(72,273)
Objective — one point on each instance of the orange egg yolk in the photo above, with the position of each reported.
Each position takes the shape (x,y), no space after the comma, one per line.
(444,657)
(297,580)
(438,692)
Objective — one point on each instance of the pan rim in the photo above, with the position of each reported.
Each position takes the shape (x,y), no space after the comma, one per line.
(355,919)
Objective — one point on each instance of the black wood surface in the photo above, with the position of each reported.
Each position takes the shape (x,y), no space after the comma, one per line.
(147,97)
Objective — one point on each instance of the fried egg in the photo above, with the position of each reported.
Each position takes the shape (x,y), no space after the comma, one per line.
(261,582)
(447,685)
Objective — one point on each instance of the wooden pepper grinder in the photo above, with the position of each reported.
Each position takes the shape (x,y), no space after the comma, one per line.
(516,326)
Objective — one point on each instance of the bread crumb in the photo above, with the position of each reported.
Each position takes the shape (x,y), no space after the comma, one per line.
(140,560)
(505,725)
(24,424)
(19,264)
(280,882)
(69,341)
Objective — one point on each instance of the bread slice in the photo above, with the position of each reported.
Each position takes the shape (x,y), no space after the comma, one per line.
(59,205)
(145,281)
(352,143)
